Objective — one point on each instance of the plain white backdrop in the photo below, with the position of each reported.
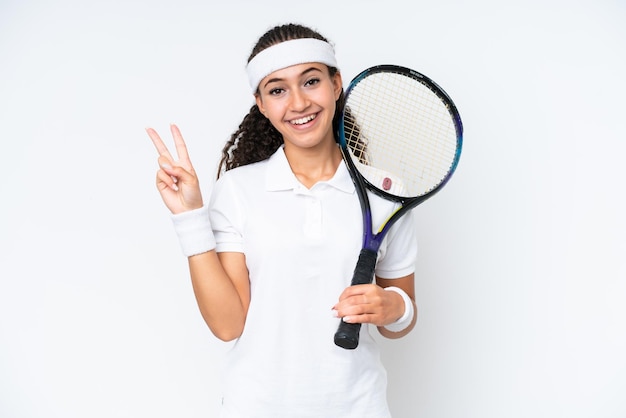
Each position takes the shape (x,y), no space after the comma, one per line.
(521,278)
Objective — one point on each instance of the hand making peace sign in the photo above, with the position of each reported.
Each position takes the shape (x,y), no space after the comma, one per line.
(176,180)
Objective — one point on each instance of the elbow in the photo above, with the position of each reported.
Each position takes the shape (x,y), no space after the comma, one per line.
(227,333)
(226,336)
(225,327)
(393,335)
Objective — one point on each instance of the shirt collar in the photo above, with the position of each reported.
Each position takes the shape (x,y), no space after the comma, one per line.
(280,177)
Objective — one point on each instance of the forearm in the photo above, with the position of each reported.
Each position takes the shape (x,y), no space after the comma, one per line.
(391,334)
(220,285)
(220,281)
(404,296)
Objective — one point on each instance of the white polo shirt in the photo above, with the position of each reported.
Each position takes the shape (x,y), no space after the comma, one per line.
(301,246)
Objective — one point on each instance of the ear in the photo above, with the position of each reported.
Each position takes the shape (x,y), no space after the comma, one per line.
(259,103)
(337,85)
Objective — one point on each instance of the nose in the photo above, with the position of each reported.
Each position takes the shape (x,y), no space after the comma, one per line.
(299,100)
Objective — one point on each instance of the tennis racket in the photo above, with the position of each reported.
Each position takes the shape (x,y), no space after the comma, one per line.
(401,138)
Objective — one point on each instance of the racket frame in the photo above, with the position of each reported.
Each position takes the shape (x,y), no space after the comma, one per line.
(347,335)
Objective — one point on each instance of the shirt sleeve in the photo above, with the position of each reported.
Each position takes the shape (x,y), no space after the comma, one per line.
(227,216)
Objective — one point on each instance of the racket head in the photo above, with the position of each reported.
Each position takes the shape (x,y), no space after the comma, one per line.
(401,133)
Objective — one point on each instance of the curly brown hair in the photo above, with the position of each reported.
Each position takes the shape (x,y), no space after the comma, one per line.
(256,139)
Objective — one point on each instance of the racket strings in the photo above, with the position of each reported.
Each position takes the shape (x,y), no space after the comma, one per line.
(357,143)
(402,130)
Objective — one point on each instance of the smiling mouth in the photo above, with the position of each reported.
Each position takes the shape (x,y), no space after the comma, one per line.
(303,120)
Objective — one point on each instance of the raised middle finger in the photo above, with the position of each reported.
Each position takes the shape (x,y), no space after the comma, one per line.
(179,143)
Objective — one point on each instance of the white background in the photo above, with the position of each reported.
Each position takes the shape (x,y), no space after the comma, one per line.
(521,278)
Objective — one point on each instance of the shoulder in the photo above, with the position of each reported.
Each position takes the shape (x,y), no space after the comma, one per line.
(257,169)
(271,174)
(246,174)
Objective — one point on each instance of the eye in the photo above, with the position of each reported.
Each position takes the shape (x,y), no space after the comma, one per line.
(312,81)
(276,91)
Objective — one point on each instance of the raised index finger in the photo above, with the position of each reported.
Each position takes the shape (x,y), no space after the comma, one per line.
(158,143)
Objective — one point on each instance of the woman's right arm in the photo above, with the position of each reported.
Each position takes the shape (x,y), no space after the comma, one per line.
(222,289)
(220,281)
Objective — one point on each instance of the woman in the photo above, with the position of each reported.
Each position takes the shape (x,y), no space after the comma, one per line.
(272,254)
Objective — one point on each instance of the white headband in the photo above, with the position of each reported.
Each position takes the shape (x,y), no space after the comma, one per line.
(286,54)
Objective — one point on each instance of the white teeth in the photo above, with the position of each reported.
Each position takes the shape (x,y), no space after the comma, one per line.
(302,121)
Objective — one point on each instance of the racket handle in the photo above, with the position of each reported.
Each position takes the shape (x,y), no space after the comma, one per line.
(347,335)
(364,270)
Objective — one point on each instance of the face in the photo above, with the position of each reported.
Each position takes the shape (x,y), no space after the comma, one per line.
(300,102)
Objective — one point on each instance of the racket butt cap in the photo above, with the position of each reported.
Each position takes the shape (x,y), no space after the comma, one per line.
(347,343)
(347,336)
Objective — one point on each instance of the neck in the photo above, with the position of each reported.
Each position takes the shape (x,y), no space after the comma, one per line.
(312,165)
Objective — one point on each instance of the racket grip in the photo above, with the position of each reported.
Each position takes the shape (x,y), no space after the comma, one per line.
(347,335)
(364,270)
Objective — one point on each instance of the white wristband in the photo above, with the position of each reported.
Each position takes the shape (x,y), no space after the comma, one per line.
(194,231)
(409,312)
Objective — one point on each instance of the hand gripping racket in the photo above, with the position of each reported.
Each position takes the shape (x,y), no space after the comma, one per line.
(401,137)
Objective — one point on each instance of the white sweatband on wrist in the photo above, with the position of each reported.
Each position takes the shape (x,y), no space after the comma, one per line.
(194,231)
(286,54)
(409,312)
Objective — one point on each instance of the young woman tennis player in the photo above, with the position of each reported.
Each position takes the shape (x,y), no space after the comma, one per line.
(271,254)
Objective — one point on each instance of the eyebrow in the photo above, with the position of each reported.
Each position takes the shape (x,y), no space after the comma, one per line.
(276,79)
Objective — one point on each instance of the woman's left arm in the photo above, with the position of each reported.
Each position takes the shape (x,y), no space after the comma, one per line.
(371,303)
(407,284)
